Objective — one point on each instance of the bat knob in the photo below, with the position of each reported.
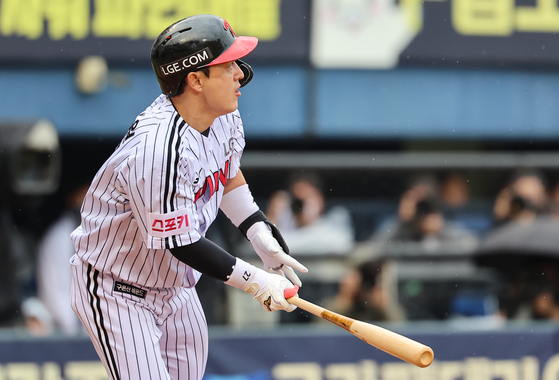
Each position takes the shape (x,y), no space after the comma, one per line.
(291,292)
(426,358)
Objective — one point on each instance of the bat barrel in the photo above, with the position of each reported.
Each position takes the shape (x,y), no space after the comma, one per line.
(394,344)
(388,341)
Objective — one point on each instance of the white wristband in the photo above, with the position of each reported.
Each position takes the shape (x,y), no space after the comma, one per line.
(247,277)
(238,204)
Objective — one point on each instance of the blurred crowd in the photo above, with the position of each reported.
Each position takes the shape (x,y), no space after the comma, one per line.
(509,247)
(512,239)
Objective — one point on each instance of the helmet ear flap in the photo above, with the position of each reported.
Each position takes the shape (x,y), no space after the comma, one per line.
(247,71)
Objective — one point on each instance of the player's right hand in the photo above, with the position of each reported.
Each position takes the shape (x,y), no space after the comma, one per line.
(274,257)
(268,289)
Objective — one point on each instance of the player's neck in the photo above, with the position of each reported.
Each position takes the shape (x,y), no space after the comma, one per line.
(193,113)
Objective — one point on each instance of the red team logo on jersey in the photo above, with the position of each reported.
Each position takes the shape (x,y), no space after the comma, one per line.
(211,183)
(172,223)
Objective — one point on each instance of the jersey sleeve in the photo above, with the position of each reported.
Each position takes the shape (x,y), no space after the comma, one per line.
(162,201)
(238,143)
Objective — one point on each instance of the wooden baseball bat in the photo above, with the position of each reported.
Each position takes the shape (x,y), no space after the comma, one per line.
(395,344)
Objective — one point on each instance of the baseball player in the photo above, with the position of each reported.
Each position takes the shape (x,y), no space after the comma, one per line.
(140,248)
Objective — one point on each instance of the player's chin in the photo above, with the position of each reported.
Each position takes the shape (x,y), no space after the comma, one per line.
(233,106)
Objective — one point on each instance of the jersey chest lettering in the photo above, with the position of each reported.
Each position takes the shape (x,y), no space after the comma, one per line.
(213,181)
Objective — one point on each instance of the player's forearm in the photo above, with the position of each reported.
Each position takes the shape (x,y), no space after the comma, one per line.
(206,257)
(211,260)
(233,183)
(238,204)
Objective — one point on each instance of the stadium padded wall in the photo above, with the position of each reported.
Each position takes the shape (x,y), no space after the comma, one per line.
(295,101)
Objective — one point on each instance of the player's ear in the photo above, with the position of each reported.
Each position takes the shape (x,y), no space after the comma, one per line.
(193,80)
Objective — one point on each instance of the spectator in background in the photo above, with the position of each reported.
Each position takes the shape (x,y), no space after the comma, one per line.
(308,227)
(531,291)
(422,187)
(54,277)
(454,190)
(420,219)
(545,304)
(37,320)
(361,295)
(455,196)
(524,245)
(523,198)
(553,202)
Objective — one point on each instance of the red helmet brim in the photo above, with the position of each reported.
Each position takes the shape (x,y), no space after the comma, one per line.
(240,48)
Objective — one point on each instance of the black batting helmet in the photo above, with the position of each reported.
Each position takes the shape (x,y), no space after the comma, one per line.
(194,43)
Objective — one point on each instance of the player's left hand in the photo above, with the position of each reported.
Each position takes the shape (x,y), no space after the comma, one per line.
(269,289)
(274,257)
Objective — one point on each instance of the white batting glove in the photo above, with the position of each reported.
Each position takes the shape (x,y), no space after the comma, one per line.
(270,293)
(272,255)
(267,288)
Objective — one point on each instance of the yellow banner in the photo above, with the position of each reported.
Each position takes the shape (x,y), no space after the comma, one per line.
(133,19)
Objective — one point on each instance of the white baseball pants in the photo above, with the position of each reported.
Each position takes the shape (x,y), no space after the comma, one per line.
(141,333)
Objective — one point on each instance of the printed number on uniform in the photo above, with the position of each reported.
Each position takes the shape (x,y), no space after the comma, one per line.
(131,130)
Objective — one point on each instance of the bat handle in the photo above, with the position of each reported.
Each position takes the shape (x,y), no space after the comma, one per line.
(306,305)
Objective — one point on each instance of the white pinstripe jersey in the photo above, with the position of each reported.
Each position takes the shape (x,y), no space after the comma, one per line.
(160,189)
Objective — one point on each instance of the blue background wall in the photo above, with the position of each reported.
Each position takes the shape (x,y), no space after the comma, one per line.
(292,101)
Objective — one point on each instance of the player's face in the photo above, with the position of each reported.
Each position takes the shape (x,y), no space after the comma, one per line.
(221,89)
